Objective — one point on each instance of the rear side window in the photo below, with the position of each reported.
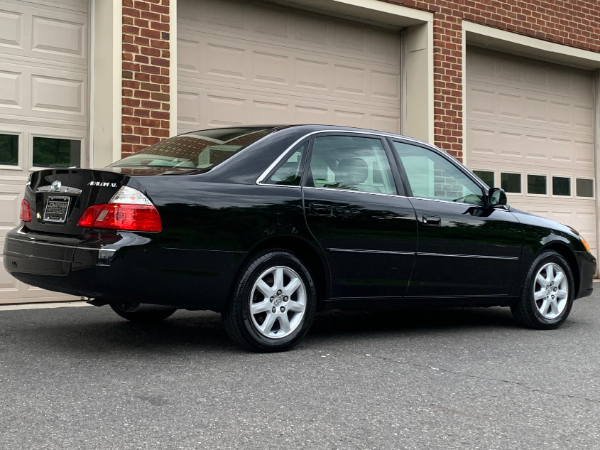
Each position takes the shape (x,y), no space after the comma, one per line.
(289,173)
(198,150)
(352,163)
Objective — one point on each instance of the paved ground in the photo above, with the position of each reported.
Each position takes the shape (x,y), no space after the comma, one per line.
(467,378)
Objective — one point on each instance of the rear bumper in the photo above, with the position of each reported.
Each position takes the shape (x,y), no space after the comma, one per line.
(587,264)
(91,267)
(124,266)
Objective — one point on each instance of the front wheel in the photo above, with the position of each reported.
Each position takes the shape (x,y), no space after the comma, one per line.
(548,293)
(273,303)
(131,312)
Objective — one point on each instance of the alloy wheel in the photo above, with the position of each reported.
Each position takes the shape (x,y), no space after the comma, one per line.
(550,291)
(278,302)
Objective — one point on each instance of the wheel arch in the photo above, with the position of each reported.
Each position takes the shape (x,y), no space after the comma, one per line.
(566,252)
(305,251)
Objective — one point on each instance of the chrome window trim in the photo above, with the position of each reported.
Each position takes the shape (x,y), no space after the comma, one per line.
(447,201)
(260,180)
(350,190)
(357,250)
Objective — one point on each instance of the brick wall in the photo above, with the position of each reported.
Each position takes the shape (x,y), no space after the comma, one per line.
(146,60)
(575,23)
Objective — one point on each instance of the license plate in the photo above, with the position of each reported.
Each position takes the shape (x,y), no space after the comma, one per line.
(56,209)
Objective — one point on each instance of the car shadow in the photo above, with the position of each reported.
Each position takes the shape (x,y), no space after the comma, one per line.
(191,332)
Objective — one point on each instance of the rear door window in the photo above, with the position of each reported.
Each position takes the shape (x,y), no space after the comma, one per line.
(352,163)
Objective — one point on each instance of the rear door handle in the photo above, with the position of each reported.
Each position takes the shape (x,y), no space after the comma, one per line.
(320,210)
(432,220)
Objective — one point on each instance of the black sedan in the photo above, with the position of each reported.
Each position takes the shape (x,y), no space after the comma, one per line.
(268,225)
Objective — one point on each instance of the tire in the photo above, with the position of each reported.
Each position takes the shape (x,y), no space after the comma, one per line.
(537,308)
(280,318)
(128,311)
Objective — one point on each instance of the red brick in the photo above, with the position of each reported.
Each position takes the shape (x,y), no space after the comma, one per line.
(160,26)
(159,44)
(141,113)
(142,59)
(160,62)
(152,34)
(151,51)
(150,87)
(160,132)
(150,104)
(150,69)
(160,9)
(159,96)
(142,131)
(151,123)
(149,140)
(131,139)
(160,115)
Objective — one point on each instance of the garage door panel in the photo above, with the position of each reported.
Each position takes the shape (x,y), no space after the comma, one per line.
(323,34)
(523,108)
(44,33)
(43,92)
(533,118)
(280,65)
(296,71)
(211,106)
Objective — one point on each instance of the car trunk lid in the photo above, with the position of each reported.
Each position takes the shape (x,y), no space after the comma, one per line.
(58,197)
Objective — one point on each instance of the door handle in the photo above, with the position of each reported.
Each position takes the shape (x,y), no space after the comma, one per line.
(320,210)
(432,220)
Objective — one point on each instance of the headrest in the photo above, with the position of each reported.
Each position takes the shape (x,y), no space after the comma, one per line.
(351,171)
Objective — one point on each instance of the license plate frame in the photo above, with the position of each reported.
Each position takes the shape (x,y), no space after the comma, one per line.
(59,208)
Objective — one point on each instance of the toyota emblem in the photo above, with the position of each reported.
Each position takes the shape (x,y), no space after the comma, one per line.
(55,187)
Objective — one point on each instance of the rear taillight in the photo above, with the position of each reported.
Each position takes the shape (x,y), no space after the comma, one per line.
(25,211)
(128,210)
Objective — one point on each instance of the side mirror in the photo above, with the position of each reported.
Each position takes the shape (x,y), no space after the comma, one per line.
(496,197)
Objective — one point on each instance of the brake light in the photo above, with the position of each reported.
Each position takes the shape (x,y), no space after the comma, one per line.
(128,210)
(121,217)
(25,211)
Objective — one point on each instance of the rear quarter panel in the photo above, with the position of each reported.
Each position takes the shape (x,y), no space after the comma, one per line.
(209,228)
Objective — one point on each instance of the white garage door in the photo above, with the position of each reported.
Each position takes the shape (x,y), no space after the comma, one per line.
(255,63)
(43,106)
(531,131)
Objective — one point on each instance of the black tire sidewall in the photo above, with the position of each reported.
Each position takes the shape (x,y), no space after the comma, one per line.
(240,301)
(545,258)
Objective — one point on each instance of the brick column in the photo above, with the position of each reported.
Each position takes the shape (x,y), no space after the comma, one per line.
(448,83)
(146,61)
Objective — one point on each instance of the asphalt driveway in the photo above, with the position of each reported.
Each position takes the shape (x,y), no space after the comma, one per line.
(453,378)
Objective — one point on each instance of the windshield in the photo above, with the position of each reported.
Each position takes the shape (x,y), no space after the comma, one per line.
(202,149)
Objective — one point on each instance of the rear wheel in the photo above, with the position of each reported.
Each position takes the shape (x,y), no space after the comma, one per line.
(132,312)
(547,295)
(273,303)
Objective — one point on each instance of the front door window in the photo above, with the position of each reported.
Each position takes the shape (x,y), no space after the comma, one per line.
(432,176)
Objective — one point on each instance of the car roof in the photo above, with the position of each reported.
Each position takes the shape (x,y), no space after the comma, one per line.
(322,127)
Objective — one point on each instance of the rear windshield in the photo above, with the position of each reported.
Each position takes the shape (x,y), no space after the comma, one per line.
(197,150)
